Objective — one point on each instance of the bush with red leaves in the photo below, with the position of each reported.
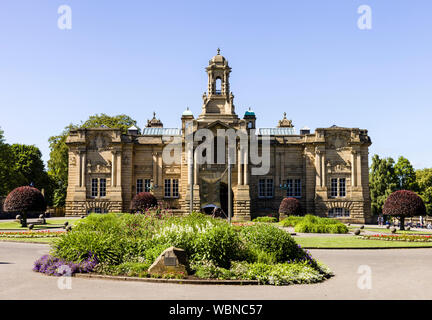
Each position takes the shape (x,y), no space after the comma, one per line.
(142,201)
(404,203)
(25,199)
(290,207)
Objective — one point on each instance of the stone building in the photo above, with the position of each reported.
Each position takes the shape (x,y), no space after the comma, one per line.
(327,170)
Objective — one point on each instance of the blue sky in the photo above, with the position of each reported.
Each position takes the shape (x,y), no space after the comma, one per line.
(306,58)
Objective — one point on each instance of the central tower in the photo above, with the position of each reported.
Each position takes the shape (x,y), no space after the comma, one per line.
(218,101)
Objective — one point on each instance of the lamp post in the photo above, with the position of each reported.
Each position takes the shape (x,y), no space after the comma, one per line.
(229,191)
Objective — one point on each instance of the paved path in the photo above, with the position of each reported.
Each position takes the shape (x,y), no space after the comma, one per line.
(396,274)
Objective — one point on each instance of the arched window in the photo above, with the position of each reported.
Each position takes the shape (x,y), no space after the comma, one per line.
(218,86)
(250,124)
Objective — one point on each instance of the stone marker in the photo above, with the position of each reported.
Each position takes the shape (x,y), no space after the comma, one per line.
(171,260)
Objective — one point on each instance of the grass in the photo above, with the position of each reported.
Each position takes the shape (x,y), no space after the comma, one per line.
(353,242)
(384,230)
(51,223)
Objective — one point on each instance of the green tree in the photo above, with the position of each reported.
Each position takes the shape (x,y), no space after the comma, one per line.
(28,168)
(406,175)
(9,178)
(424,183)
(59,158)
(382,182)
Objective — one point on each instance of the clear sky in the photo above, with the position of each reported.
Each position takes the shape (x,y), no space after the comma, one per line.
(303,57)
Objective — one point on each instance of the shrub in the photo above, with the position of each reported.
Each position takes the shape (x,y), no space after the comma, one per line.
(24,199)
(290,207)
(265,219)
(143,201)
(290,221)
(402,204)
(314,224)
(277,244)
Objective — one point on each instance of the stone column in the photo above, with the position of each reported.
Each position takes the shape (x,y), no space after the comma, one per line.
(113,169)
(353,168)
(359,169)
(239,167)
(195,168)
(318,167)
(155,181)
(323,170)
(282,167)
(245,174)
(83,170)
(79,168)
(160,169)
(119,169)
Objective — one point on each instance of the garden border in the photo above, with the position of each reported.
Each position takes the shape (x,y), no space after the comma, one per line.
(174,281)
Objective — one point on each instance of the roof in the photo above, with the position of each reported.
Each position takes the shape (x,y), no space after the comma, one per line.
(249,112)
(187,112)
(161,131)
(276,131)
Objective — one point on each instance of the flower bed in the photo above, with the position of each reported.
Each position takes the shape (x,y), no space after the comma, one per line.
(401,237)
(31,234)
(127,244)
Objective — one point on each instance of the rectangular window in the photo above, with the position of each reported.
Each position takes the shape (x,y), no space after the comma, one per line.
(265,188)
(290,188)
(102,187)
(261,188)
(334,185)
(175,188)
(338,213)
(147,185)
(269,192)
(98,210)
(139,186)
(297,188)
(342,192)
(167,188)
(94,190)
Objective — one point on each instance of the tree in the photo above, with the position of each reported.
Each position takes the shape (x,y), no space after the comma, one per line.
(382,182)
(143,201)
(402,204)
(8,180)
(405,174)
(59,157)
(424,184)
(25,199)
(290,207)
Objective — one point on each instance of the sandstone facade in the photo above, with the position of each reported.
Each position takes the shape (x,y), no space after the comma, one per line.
(327,170)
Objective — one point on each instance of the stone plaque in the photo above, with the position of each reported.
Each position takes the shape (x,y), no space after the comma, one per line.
(170,261)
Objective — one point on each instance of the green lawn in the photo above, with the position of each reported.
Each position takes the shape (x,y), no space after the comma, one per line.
(353,242)
(384,230)
(51,223)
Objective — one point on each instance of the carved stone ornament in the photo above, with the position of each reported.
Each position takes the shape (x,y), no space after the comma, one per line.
(338,141)
(98,142)
(99,167)
(339,166)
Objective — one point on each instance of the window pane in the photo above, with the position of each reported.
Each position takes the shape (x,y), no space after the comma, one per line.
(147,185)
(342,192)
(290,190)
(333,190)
(297,188)
(269,188)
(261,188)
(167,188)
(102,187)
(175,188)
(139,186)
(331,213)
(94,187)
